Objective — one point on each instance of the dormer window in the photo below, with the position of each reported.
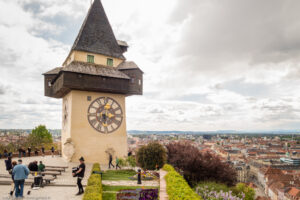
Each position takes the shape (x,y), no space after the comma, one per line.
(90,59)
(110,62)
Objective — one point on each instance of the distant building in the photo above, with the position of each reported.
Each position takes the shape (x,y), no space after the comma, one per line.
(292,161)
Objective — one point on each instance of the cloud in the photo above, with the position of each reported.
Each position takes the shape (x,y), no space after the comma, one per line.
(209,65)
(2,90)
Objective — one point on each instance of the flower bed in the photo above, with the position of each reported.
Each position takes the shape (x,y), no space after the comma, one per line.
(140,194)
(177,187)
(93,190)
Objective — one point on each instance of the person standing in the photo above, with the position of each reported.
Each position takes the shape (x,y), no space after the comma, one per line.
(36,152)
(110,161)
(14,163)
(8,164)
(20,152)
(20,173)
(80,174)
(52,151)
(43,151)
(29,151)
(117,163)
(5,153)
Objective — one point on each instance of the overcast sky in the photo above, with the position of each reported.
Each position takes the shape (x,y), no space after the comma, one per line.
(209,64)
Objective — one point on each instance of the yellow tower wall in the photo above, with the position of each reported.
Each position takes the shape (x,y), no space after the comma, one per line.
(88,142)
(99,59)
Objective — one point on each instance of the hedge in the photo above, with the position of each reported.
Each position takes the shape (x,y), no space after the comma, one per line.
(177,187)
(93,190)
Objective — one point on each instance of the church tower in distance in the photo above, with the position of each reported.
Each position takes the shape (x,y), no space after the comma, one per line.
(93,82)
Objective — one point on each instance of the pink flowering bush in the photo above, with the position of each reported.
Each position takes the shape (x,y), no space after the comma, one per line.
(217,191)
(208,194)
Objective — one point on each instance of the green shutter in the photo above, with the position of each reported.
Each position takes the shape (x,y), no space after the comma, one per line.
(90,59)
(110,62)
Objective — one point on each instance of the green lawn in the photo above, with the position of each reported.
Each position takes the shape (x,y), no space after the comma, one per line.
(114,175)
(110,192)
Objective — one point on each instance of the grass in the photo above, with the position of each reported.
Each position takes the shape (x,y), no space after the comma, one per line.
(115,175)
(110,192)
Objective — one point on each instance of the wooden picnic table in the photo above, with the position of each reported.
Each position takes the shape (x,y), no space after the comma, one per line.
(47,173)
(54,169)
(65,167)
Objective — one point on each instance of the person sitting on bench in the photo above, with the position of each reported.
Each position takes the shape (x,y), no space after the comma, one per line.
(33,166)
(41,167)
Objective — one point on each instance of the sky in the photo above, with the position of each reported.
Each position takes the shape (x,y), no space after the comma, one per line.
(208,64)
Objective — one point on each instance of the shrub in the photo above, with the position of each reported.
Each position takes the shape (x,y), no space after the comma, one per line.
(122,162)
(96,167)
(243,191)
(177,187)
(151,155)
(217,191)
(197,166)
(131,161)
(95,179)
(93,191)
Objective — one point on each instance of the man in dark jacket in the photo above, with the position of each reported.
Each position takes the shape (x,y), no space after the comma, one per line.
(80,174)
(33,166)
(8,164)
(29,151)
(110,161)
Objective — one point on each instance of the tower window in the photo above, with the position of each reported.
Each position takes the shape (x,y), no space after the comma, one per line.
(110,62)
(90,59)
(140,82)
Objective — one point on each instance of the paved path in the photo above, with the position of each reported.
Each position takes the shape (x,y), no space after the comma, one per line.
(46,193)
(163,185)
(55,191)
(65,179)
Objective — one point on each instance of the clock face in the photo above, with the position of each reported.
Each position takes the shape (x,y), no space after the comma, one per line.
(65,114)
(105,115)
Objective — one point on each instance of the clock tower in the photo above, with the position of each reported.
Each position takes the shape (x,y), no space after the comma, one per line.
(93,82)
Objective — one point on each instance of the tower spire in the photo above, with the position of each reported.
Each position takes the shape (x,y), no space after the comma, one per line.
(96,34)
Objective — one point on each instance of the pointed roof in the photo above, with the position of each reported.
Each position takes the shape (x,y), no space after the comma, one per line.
(96,34)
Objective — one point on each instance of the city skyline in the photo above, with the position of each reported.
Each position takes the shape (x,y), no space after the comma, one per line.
(208,65)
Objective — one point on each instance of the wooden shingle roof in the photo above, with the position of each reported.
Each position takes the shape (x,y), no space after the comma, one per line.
(128,65)
(53,71)
(94,69)
(96,34)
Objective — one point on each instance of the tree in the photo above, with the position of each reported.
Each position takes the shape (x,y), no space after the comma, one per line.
(197,166)
(39,136)
(151,155)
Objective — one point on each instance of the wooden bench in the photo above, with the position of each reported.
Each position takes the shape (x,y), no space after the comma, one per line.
(48,179)
(54,169)
(57,167)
